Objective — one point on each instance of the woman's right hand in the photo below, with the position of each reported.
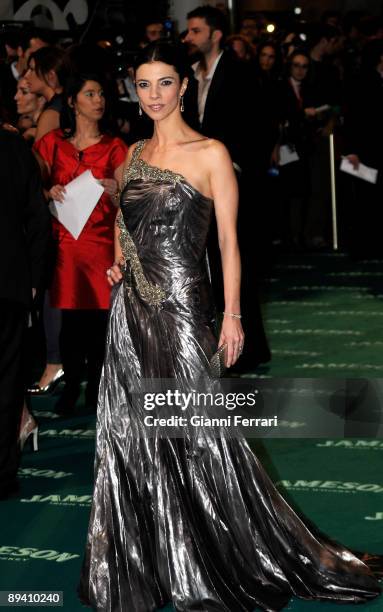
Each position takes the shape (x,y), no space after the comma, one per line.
(57,193)
(114,273)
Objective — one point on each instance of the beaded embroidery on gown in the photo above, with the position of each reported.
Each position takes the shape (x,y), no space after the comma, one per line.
(193,521)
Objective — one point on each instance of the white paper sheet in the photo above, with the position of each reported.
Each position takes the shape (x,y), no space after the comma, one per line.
(364,172)
(80,199)
(287,155)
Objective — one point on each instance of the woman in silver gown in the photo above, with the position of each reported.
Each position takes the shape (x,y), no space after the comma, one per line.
(194,520)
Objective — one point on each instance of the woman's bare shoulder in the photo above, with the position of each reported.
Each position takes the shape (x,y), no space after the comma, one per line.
(206,147)
(216,146)
(215,152)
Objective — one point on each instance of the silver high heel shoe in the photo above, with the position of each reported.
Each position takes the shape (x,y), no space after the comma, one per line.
(50,387)
(30,428)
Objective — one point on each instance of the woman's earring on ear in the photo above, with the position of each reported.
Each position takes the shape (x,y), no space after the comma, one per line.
(139,110)
(182,108)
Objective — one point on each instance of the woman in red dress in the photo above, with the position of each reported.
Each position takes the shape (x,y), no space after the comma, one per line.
(79,287)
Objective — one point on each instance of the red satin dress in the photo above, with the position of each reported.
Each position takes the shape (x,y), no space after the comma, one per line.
(79,280)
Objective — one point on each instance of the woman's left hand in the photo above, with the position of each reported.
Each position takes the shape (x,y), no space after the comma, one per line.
(232,335)
(110,185)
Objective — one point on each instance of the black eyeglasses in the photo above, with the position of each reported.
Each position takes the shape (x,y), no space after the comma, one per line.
(296,65)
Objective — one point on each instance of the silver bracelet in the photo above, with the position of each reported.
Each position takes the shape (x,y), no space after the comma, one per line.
(232,314)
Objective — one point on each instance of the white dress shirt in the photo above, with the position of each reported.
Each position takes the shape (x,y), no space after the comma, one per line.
(296,85)
(204,83)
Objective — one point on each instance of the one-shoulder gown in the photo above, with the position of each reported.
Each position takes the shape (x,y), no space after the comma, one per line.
(192,521)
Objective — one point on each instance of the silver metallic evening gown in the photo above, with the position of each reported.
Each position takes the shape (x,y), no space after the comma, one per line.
(196,522)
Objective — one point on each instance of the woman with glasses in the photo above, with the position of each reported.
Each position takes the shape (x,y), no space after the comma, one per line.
(297,125)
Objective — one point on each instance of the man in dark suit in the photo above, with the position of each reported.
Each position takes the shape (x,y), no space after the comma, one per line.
(220,80)
(25,233)
(227,111)
(363,135)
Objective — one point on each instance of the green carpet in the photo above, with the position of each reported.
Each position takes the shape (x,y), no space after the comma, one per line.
(323,319)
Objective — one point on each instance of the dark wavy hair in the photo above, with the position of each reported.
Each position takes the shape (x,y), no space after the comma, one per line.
(73,86)
(277,68)
(51,58)
(214,17)
(168,53)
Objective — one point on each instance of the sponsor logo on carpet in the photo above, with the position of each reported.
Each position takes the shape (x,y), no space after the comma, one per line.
(29,472)
(351,313)
(68,433)
(279,321)
(343,366)
(254,375)
(332,486)
(46,414)
(297,303)
(353,444)
(378,516)
(355,274)
(298,391)
(327,288)
(17,553)
(293,353)
(316,332)
(60,500)
(365,343)
(291,424)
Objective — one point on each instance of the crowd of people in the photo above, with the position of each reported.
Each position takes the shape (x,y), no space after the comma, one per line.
(311,82)
(271,98)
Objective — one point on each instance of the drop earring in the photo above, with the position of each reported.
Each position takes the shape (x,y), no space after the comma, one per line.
(139,110)
(182,108)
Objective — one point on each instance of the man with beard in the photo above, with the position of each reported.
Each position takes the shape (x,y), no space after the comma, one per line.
(226,111)
(219,74)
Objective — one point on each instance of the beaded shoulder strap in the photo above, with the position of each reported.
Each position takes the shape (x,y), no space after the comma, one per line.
(138,150)
(128,172)
(149,292)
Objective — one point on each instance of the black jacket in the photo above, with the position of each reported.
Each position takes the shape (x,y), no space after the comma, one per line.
(24,221)
(8,86)
(364,119)
(227,108)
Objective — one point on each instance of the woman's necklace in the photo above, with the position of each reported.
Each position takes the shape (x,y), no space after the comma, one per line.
(78,143)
